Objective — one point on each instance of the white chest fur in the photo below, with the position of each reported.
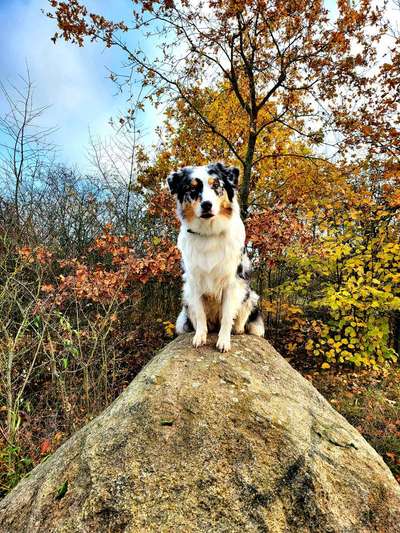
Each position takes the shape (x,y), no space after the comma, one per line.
(211,261)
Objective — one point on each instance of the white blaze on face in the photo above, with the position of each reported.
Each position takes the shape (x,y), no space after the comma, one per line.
(208,194)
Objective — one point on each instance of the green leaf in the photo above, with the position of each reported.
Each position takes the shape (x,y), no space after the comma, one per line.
(61,491)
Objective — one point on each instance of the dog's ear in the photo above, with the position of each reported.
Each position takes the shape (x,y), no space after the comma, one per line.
(173,181)
(231,174)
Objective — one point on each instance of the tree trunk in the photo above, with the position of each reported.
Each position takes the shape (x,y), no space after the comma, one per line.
(247,168)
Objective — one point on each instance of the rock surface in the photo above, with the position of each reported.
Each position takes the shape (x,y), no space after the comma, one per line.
(201,441)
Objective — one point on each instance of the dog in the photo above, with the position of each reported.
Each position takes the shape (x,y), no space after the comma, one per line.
(216,291)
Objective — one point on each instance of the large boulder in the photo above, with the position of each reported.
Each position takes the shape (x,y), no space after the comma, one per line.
(202,441)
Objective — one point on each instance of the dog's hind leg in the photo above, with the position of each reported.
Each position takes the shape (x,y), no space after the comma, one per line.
(242,317)
(183,322)
(249,303)
(255,323)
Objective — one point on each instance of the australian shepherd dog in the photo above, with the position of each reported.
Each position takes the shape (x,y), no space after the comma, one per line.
(216,291)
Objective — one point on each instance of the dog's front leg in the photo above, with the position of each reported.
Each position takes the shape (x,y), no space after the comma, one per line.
(230,306)
(200,321)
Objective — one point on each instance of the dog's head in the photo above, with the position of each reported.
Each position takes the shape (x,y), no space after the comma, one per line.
(205,192)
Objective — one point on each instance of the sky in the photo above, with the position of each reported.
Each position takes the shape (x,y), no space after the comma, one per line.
(71,80)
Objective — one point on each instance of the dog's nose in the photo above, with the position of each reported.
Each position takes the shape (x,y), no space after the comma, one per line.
(206,206)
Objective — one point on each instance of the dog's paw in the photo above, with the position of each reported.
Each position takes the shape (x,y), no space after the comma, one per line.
(224,343)
(200,338)
(238,331)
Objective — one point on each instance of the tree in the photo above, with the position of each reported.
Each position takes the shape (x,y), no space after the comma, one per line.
(291,54)
(285,169)
(25,148)
(70,213)
(115,161)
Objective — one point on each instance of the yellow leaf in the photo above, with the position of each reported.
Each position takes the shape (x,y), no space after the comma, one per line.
(325,365)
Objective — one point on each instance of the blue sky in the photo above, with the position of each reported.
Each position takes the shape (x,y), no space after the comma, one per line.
(72,80)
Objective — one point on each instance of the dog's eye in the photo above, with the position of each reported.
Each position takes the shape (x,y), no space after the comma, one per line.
(217,187)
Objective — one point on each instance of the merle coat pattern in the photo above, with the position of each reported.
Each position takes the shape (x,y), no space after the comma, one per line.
(216,291)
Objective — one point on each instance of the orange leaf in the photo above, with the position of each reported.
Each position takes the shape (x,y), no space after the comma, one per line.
(45,447)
